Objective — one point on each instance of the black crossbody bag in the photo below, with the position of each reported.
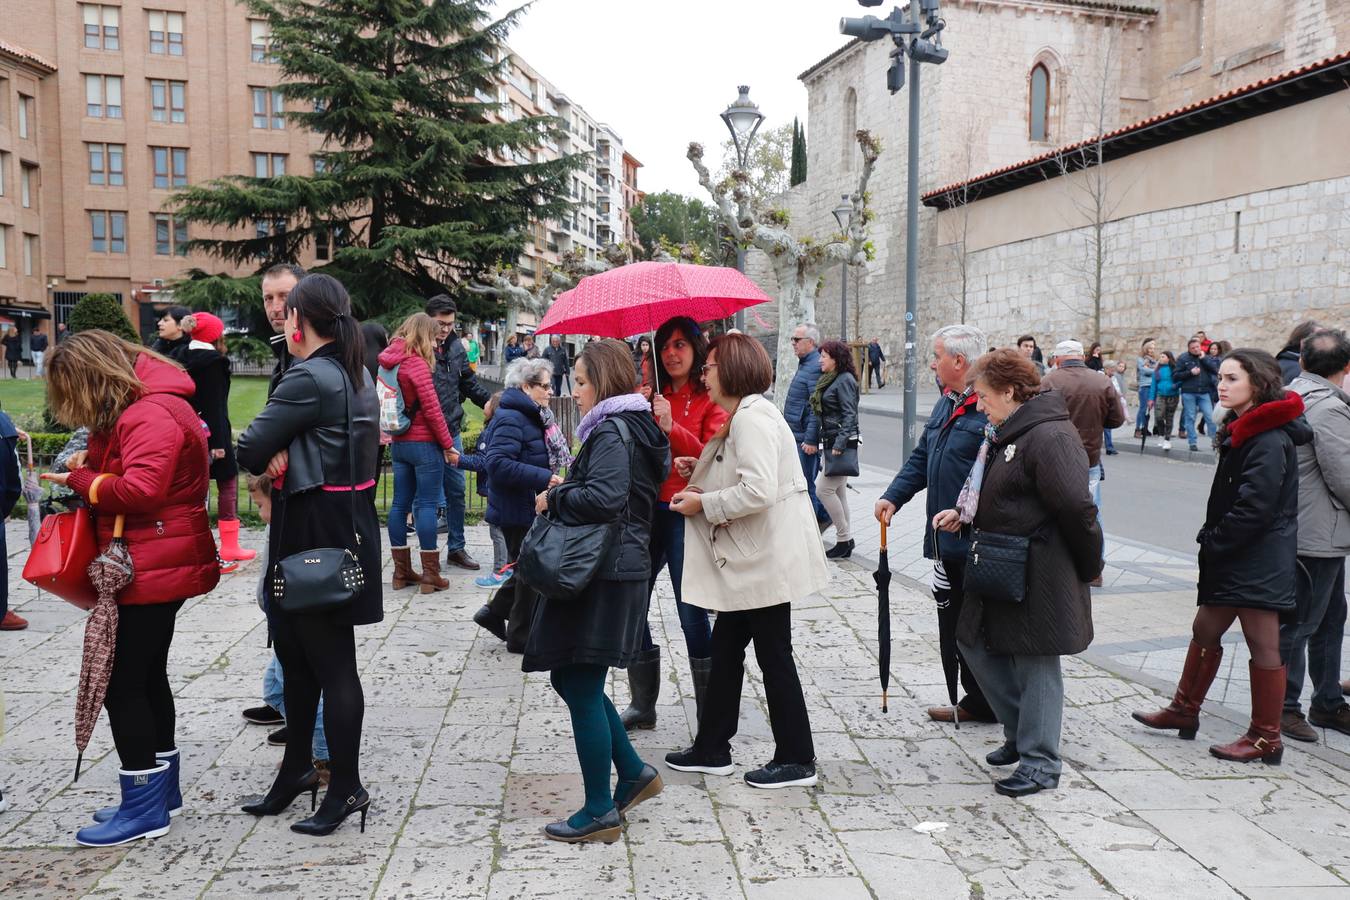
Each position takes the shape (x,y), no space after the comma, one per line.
(328,578)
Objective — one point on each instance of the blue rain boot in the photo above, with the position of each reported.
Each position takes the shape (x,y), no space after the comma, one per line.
(144,811)
(171,757)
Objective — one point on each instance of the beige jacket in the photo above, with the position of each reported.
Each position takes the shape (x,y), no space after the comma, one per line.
(756,520)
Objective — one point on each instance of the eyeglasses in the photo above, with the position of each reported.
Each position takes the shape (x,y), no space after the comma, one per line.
(707,366)
(540,384)
(796,339)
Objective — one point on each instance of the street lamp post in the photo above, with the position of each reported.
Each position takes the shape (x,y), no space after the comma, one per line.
(743,119)
(843,214)
(919,38)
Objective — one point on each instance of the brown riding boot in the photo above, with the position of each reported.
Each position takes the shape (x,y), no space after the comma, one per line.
(431,573)
(1262,740)
(1183,713)
(404,573)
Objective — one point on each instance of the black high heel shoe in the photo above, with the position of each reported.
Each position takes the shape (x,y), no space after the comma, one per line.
(279,797)
(321,824)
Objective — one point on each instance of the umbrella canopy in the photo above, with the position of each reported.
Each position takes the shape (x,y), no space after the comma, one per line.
(110,571)
(883,579)
(640,297)
(32,495)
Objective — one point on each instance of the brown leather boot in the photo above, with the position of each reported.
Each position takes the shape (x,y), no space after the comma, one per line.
(431,573)
(1183,713)
(1262,740)
(404,573)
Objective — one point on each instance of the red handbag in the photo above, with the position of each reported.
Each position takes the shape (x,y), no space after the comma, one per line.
(59,561)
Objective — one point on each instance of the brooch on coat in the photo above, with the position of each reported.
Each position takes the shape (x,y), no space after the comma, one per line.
(1009,453)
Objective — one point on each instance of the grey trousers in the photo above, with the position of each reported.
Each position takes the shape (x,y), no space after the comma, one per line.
(1313,645)
(1027,695)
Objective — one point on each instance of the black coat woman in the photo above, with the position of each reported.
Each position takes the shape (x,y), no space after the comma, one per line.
(1248,553)
(172,338)
(623,460)
(1030,479)
(835,405)
(13,350)
(319,438)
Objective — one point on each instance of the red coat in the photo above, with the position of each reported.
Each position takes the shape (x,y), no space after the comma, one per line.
(419,395)
(158,470)
(696,419)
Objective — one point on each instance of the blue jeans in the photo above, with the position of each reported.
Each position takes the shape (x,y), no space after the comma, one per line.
(453,485)
(417,487)
(668,550)
(1141,417)
(1189,405)
(273,695)
(810,466)
(1313,645)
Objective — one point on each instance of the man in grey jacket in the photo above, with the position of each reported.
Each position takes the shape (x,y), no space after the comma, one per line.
(1314,642)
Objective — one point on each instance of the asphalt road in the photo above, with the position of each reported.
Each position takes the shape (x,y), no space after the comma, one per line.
(1144,498)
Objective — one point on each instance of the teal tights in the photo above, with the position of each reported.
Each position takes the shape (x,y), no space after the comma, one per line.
(599,736)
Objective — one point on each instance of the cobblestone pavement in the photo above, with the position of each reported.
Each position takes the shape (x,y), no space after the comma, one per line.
(467,758)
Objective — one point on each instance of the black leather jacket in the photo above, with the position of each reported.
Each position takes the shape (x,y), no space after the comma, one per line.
(839,413)
(455,382)
(307,416)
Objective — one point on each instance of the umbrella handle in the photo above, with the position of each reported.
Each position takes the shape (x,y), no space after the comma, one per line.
(883,535)
(29,438)
(118,524)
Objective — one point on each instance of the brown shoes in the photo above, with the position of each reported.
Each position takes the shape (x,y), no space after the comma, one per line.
(944,714)
(462,559)
(1293,725)
(1183,713)
(1262,740)
(13,621)
(431,573)
(1337,720)
(404,573)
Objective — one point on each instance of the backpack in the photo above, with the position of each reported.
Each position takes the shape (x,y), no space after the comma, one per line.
(395,415)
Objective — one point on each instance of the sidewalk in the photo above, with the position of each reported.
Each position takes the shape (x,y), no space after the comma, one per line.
(466,758)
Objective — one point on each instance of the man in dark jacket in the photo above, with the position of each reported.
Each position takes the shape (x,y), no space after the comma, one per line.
(940,463)
(1193,373)
(37,347)
(10,486)
(455,383)
(797,411)
(875,359)
(556,354)
(277,284)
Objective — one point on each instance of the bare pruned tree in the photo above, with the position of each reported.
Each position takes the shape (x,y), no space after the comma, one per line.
(503,283)
(973,133)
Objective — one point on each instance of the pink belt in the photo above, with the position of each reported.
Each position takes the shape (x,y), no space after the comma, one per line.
(344,488)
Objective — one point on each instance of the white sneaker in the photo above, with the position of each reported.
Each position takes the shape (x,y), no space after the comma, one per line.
(1166,444)
(1159,443)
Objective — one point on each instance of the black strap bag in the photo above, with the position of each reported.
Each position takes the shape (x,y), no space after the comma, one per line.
(996,566)
(558,559)
(328,578)
(845,463)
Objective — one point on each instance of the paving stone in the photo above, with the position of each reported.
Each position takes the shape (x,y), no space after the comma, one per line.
(808,889)
(698,871)
(1210,836)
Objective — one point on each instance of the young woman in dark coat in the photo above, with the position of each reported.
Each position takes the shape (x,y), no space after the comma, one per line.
(1030,479)
(835,404)
(172,339)
(322,416)
(614,479)
(1248,553)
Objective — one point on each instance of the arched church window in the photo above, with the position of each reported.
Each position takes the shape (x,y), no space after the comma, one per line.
(1040,103)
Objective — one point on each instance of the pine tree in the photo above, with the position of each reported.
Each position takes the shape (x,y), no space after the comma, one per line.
(798,172)
(416,186)
(102,311)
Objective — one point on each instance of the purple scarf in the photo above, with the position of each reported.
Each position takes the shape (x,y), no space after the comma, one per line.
(608,407)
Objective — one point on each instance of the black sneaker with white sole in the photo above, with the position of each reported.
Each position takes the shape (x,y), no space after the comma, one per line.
(694,760)
(263,715)
(278,737)
(782,775)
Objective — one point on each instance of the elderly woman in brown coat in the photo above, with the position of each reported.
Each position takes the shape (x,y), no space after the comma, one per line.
(1029,480)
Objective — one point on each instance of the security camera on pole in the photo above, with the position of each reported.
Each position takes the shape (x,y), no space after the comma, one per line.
(919,38)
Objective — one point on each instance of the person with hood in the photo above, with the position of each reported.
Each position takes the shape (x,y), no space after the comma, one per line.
(1289,355)
(1313,644)
(208,366)
(146,461)
(1030,479)
(616,478)
(1248,554)
(751,553)
(172,339)
(419,454)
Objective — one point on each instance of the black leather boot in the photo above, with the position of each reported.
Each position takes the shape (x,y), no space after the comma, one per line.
(644,686)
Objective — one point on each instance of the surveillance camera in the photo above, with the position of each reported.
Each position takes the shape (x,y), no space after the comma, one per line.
(869,2)
(868,28)
(928,52)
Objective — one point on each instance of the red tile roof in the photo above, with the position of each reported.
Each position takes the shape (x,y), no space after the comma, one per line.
(1151,122)
(18,52)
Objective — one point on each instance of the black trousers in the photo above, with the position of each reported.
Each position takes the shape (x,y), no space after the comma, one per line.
(974,701)
(318,656)
(771,630)
(514,601)
(139,701)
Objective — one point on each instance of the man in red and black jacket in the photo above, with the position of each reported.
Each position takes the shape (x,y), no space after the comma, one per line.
(940,463)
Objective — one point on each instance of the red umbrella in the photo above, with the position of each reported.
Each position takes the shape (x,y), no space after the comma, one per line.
(110,571)
(640,297)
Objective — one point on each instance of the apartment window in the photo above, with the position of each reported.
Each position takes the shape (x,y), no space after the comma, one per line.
(327,241)
(27,185)
(25,114)
(107,164)
(168,101)
(101,26)
(29,252)
(260,42)
(4,243)
(4,159)
(267,108)
(103,96)
(170,235)
(170,166)
(320,165)
(268,165)
(107,231)
(269,227)
(166,32)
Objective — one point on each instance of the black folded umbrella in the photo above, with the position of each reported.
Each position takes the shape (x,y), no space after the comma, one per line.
(951,662)
(883,579)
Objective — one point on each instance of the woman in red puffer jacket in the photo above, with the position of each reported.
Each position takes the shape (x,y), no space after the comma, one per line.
(147,462)
(419,454)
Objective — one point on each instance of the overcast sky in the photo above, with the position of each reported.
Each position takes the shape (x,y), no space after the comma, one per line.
(661,71)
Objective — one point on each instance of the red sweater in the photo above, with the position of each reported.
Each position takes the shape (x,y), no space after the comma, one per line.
(696,419)
(419,395)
